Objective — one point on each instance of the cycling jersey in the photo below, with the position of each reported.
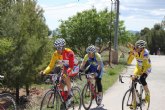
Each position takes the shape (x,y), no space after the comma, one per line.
(93,62)
(143,61)
(67,58)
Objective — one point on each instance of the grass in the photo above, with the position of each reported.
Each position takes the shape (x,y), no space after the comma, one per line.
(111,75)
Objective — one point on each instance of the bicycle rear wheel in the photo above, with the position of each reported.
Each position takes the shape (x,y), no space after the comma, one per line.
(76,104)
(87,97)
(51,101)
(127,100)
(7,102)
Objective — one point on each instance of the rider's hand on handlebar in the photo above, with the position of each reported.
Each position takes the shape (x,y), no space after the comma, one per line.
(134,77)
(80,71)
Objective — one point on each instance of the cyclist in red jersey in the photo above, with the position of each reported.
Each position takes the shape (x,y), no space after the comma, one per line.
(67,58)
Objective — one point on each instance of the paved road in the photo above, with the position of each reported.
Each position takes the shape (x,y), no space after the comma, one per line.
(113,97)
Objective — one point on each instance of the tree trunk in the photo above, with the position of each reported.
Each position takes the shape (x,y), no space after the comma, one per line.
(17,94)
(27,89)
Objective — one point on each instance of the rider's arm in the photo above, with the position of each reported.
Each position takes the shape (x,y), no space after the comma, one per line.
(131,53)
(71,61)
(99,61)
(84,62)
(51,64)
(130,46)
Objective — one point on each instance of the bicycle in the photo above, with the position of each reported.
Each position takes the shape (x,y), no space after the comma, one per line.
(133,95)
(7,101)
(89,92)
(55,98)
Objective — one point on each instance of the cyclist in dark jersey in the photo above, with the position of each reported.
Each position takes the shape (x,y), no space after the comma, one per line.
(93,59)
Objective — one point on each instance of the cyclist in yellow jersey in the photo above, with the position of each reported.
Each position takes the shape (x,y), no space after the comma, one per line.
(143,66)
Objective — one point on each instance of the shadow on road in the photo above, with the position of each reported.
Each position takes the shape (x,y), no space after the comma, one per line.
(101,107)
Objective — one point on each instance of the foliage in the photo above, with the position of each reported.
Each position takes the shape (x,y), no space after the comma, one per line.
(89,27)
(5,46)
(22,23)
(154,37)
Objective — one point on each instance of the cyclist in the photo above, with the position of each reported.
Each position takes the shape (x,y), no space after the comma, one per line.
(67,57)
(143,66)
(93,59)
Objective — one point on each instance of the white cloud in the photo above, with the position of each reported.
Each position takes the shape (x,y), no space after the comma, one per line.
(158,12)
(134,23)
(137,14)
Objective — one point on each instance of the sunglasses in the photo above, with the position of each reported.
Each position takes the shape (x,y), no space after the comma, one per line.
(59,48)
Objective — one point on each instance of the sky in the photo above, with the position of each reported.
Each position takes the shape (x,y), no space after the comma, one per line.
(136,14)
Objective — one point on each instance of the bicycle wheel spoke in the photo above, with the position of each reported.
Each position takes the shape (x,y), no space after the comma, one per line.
(51,101)
(87,97)
(127,100)
(7,102)
(76,98)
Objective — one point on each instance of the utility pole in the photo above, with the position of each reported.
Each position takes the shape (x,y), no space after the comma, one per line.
(110,40)
(163,23)
(116,32)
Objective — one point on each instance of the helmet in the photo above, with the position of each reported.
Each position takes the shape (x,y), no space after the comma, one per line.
(91,49)
(60,42)
(140,44)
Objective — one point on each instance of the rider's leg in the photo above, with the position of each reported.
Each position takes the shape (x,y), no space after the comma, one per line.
(68,83)
(144,83)
(99,85)
(66,79)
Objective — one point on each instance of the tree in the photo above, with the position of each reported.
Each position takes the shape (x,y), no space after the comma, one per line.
(85,28)
(154,37)
(24,24)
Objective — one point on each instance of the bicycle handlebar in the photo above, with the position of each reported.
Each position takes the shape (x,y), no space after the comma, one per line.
(128,76)
(121,76)
(120,79)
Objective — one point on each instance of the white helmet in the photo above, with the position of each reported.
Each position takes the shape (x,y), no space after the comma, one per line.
(140,44)
(60,42)
(91,49)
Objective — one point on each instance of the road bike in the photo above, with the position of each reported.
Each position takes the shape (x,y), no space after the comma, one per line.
(134,96)
(56,98)
(89,92)
(7,101)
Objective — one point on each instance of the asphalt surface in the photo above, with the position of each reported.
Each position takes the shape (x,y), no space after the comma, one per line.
(112,99)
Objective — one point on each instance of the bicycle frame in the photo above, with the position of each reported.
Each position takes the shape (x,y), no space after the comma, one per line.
(138,97)
(57,82)
(90,77)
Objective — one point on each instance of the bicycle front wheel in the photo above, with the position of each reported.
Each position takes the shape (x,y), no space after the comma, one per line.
(87,97)
(7,102)
(51,101)
(127,100)
(76,98)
